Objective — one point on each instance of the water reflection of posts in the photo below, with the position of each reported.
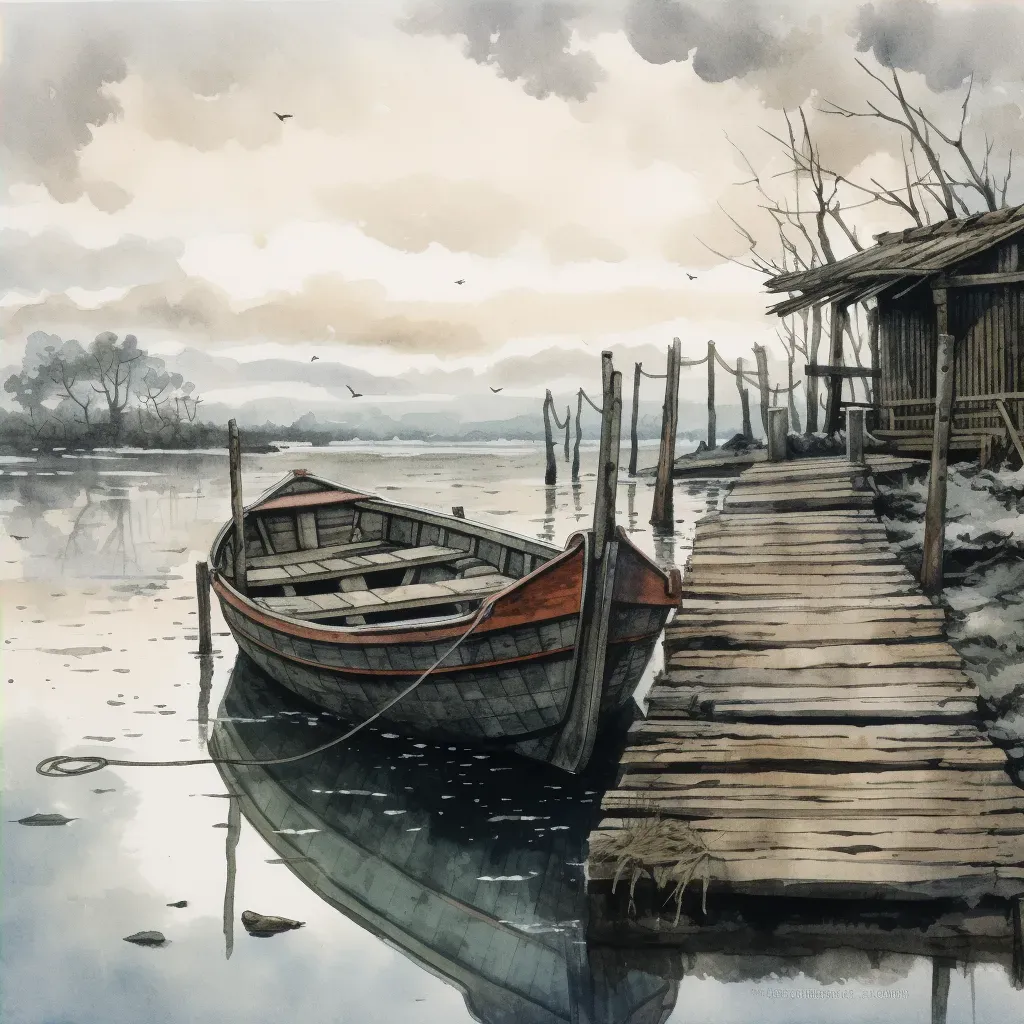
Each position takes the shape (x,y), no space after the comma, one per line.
(205,688)
(631,507)
(548,532)
(941,968)
(230,846)
(577,502)
(235,469)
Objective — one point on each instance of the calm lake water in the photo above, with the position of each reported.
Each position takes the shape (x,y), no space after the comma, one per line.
(436,884)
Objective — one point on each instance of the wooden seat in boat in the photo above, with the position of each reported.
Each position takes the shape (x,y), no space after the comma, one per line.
(306,554)
(328,563)
(360,602)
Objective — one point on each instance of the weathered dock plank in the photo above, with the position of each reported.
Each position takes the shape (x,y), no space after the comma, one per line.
(813,727)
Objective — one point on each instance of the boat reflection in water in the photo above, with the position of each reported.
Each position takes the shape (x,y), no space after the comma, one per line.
(469,863)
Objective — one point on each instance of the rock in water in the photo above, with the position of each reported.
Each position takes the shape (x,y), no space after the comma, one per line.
(45,819)
(146,938)
(179,904)
(262,927)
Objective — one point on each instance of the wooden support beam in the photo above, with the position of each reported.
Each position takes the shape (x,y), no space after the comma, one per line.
(712,416)
(941,968)
(662,511)
(876,366)
(637,369)
(777,434)
(935,514)
(835,360)
(855,435)
(235,471)
(846,372)
(203,609)
(979,280)
(1011,429)
(550,469)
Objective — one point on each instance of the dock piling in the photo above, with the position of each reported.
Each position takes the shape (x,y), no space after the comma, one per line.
(550,470)
(748,431)
(579,437)
(712,417)
(935,513)
(778,433)
(764,390)
(235,470)
(203,609)
(637,370)
(661,512)
(608,459)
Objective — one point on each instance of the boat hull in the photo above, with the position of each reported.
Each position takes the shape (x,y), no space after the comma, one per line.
(501,686)
(504,670)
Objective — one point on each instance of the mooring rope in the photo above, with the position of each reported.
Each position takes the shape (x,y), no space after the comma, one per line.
(651,376)
(554,415)
(59,766)
(596,408)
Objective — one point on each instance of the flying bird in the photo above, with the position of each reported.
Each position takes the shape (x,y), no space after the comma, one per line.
(314,359)
(355,394)
(281,117)
(692,277)
(461,280)
(496,390)
(15,536)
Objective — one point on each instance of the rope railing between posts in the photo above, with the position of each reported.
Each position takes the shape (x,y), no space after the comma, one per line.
(750,378)
(596,408)
(554,416)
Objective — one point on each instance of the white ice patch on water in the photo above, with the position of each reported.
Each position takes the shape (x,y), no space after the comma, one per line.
(519,817)
(295,831)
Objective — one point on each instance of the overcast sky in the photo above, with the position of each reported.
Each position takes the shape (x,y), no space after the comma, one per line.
(570,161)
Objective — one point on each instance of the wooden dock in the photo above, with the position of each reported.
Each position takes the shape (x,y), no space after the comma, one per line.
(813,727)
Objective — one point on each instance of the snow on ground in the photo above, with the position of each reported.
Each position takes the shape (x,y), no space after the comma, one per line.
(984,589)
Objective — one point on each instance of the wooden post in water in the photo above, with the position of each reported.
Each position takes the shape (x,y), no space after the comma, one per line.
(748,431)
(761,358)
(1017,922)
(579,437)
(661,512)
(778,432)
(637,368)
(235,469)
(855,434)
(935,513)
(550,471)
(576,740)
(567,433)
(203,609)
(712,418)
(941,970)
(835,358)
(608,456)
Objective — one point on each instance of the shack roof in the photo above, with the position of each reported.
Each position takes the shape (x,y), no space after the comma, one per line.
(909,255)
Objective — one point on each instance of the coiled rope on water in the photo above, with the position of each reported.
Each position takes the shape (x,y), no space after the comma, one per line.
(62,766)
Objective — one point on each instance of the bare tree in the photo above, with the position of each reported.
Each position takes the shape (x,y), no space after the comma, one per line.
(115,364)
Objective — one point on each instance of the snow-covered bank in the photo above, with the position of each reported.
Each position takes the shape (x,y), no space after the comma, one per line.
(984,590)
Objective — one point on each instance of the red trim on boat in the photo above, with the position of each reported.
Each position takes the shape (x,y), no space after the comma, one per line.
(553,590)
(310,499)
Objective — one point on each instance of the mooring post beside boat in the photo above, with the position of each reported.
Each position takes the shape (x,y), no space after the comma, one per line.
(576,742)
(235,469)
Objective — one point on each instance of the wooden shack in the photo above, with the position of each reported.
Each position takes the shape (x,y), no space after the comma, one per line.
(963,277)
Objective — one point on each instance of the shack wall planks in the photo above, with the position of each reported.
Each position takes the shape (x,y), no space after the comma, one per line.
(812,722)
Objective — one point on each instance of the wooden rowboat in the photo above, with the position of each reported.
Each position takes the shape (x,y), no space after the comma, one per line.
(348,598)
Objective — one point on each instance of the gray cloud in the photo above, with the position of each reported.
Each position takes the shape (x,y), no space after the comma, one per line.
(727,39)
(53,83)
(54,261)
(525,41)
(945,44)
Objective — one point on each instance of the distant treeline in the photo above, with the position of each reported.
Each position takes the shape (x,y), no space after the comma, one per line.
(113,393)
